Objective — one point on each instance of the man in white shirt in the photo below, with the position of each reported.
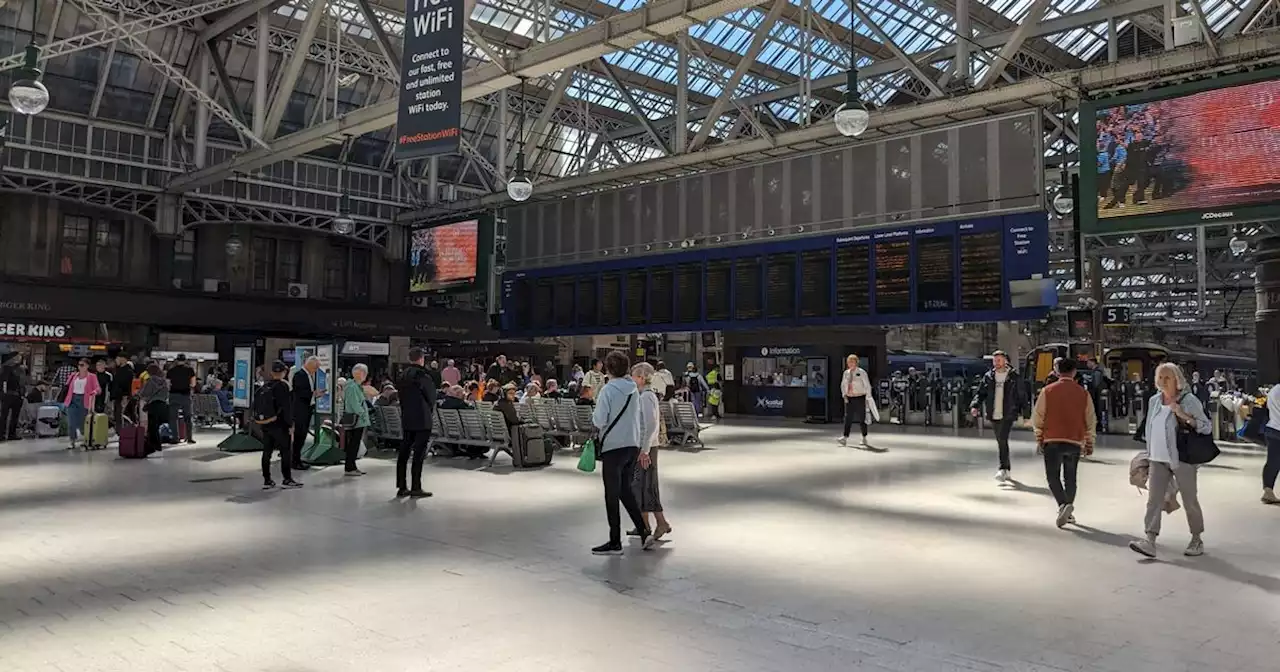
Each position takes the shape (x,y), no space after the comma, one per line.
(999,398)
(855,385)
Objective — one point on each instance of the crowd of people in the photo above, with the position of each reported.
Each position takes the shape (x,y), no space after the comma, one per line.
(1133,153)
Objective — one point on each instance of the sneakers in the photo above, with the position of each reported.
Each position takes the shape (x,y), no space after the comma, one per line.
(291,484)
(1145,547)
(301,466)
(1269,496)
(418,493)
(843,441)
(607,549)
(353,472)
(633,533)
(863,443)
(1195,548)
(647,542)
(1002,475)
(269,485)
(1064,514)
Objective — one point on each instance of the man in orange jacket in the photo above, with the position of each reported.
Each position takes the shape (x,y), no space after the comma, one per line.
(1065,428)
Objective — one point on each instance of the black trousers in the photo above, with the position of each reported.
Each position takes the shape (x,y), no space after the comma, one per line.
(415,444)
(1003,427)
(120,407)
(1061,461)
(157,414)
(351,445)
(275,439)
(618,468)
(301,427)
(855,406)
(1272,468)
(10,407)
(1104,184)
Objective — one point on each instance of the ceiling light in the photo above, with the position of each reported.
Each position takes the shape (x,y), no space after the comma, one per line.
(1238,245)
(234,245)
(852,117)
(520,187)
(27,95)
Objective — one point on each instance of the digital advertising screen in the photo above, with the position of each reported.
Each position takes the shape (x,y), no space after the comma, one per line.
(444,257)
(1184,155)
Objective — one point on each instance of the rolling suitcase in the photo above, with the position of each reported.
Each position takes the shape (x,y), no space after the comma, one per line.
(133,442)
(531,449)
(95,431)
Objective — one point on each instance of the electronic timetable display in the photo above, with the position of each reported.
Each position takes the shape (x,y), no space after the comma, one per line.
(955,271)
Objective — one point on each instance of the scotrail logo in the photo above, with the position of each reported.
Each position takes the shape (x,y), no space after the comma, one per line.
(769,403)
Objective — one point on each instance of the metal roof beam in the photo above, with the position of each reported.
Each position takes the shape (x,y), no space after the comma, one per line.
(237,17)
(1014,44)
(1253,48)
(663,17)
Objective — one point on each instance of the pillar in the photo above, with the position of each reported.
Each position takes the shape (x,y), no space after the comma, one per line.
(1267,286)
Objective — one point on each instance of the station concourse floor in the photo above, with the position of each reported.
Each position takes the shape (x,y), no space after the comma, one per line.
(789,553)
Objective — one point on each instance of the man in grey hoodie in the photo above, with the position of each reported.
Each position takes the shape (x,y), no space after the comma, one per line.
(617,415)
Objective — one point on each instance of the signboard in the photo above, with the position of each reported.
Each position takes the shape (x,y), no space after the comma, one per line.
(1080,324)
(1115,316)
(325,379)
(766,402)
(1199,153)
(242,379)
(946,272)
(366,348)
(430,110)
(34,330)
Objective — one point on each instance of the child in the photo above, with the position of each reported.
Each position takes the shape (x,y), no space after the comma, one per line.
(713,400)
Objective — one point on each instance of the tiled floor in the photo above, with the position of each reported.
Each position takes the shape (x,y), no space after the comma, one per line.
(789,553)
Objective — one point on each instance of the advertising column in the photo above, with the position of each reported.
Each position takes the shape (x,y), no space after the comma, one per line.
(430,109)
(243,377)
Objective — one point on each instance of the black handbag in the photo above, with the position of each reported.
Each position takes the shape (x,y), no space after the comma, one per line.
(1194,447)
(347,421)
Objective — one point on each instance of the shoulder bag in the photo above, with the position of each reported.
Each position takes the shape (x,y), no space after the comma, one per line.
(587,462)
(1194,447)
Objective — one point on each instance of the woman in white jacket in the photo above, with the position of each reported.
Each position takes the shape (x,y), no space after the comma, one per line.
(646,477)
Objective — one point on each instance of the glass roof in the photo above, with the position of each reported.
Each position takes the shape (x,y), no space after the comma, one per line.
(915,26)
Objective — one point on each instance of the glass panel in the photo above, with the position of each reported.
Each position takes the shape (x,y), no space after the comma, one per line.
(973,179)
(361,264)
(831,175)
(802,190)
(263,260)
(335,273)
(74,255)
(108,248)
(898,177)
(935,168)
(1018,164)
(288,264)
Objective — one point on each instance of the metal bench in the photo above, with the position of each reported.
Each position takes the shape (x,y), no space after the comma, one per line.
(687,423)
(499,436)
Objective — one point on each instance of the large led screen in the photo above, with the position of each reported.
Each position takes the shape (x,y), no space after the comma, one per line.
(1209,151)
(444,257)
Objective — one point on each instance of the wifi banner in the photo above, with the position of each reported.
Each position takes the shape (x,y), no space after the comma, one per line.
(430,111)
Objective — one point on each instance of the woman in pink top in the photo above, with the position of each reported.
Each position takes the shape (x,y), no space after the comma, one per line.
(82,387)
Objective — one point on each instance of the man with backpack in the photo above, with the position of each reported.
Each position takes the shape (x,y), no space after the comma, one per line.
(272,413)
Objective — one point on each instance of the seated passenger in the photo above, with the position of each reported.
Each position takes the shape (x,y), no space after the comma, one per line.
(507,406)
(553,389)
(586,396)
(455,398)
(531,391)
(389,396)
(224,398)
(492,392)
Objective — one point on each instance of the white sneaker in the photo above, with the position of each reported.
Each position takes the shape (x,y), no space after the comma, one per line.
(864,443)
(1145,547)
(844,441)
(1064,515)
(1195,548)
(1002,475)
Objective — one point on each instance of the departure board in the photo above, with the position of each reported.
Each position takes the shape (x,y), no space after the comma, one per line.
(688,293)
(519,306)
(588,302)
(719,275)
(562,302)
(543,300)
(815,283)
(610,300)
(780,286)
(893,277)
(981,257)
(853,279)
(660,309)
(935,273)
(747,286)
(637,298)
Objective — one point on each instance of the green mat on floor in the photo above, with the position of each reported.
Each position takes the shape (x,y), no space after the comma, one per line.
(240,442)
(324,449)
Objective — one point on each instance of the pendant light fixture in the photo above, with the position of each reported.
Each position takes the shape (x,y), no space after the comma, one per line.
(343,224)
(27,95)
(852,117)
(520,187)
(1063,200)
(234,245)
(1238,245)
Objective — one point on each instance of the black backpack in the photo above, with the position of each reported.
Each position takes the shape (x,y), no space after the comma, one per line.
(264,403)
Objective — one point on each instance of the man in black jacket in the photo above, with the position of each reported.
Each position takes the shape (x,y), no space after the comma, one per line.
(417,391)
(121,389)
(10,396)
(498,371)
(273,411)
(304,403)
(999,399)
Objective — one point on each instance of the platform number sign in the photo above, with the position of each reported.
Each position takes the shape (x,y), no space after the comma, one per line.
(1115,316)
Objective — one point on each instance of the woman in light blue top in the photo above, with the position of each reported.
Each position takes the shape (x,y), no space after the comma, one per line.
(354,394)
(617,416)
(1173,406)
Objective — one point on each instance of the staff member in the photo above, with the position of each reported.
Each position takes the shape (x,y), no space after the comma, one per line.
(304,403)
(855,385)
(1065,428)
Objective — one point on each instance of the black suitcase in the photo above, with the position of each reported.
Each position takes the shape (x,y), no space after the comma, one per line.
(530,447)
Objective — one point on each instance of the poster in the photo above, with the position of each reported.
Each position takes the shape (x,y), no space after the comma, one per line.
(429,113)
(441,257)
(325,380)
(243,377)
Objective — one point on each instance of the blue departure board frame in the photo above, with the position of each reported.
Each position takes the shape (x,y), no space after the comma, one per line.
(1024,254)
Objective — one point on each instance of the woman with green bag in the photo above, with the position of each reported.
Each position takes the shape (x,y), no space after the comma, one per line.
(617,416)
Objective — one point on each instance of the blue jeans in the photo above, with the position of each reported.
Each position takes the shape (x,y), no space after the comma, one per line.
(75,416)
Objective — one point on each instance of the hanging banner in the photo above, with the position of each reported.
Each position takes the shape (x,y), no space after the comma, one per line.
(243,377)
(430,110)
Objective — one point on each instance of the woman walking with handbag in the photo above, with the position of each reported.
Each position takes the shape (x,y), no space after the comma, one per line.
(652,435)
(355,415)
(617,416)
(1173,415)
(82,387)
